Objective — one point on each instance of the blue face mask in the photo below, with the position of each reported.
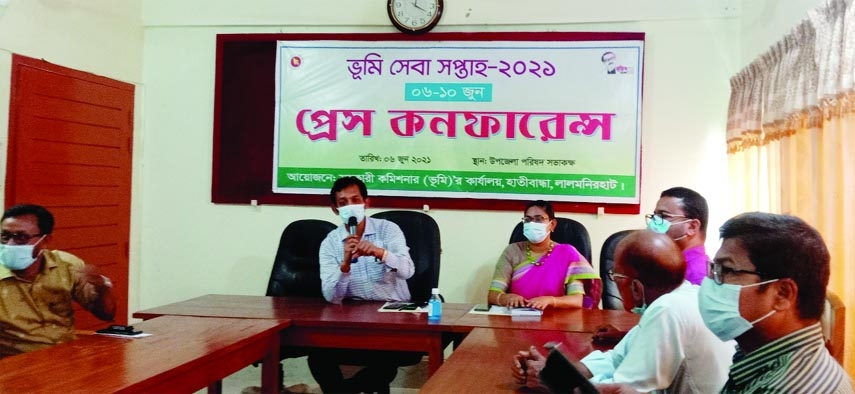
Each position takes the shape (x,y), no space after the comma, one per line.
(661,226)
(658,226)
(719,306)
(640,309)
(348,211)
(18,257)
(535,232)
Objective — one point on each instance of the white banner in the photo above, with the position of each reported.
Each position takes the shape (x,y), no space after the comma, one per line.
(504,119)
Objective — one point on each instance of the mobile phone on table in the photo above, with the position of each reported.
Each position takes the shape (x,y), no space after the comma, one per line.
(119,330)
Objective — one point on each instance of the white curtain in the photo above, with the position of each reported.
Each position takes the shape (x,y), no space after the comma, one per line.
(790,138)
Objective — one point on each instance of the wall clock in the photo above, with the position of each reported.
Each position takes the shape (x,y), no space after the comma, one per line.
(415,16)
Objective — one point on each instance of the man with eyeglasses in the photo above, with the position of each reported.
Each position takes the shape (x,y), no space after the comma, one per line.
(38,284)
(682,214)
(766,289)
(670,348)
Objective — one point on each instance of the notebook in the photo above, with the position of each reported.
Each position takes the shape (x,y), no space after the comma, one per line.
(526,312)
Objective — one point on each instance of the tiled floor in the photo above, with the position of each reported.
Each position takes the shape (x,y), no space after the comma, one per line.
(297,378)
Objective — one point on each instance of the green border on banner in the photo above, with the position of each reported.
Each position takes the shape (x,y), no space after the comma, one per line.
(463,181)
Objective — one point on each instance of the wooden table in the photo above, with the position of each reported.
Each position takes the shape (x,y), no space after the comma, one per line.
(482,363)
(184,354)
(317,323)
(576,320)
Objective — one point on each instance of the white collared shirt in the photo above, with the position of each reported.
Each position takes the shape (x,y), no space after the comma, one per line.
(669,350)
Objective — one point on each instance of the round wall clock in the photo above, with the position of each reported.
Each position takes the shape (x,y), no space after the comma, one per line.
(415,16)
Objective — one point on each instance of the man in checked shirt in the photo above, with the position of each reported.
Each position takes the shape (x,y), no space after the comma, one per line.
(366,259)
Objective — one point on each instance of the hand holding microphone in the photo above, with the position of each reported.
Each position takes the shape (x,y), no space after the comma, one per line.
(352,224)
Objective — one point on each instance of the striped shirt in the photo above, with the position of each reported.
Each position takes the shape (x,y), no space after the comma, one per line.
(368,279)
(796,363)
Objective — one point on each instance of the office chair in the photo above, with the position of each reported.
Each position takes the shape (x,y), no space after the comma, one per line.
(422,234)
(569,231)
(611,295)
(296,271)
(296,268)
(833,323)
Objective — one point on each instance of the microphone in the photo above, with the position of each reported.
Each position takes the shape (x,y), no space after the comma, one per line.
(351,225)
(351,228)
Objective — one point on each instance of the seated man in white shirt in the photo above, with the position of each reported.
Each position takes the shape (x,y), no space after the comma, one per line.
(364,259)
(670,349)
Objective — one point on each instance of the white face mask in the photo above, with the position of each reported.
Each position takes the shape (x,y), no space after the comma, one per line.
(348,211)
(535,232)
(719,306)
(18,257)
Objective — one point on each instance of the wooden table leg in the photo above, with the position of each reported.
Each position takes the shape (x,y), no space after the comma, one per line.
(270,368)
(435,355)
(216,387)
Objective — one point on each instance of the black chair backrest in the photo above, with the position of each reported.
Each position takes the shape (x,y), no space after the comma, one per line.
(422,234)
(567,231)
(611,295)
(296,271)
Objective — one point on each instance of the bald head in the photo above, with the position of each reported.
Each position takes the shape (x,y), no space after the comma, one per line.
(654,259)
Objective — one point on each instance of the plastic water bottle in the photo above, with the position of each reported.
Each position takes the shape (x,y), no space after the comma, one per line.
(434,305)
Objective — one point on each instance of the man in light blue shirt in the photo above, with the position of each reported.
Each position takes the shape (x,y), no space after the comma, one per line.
(368,261)
(364,259)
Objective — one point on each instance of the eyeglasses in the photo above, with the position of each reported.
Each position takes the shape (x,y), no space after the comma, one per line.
(718,272)
(20,238)
(659,218)
(613,275)
(536,219)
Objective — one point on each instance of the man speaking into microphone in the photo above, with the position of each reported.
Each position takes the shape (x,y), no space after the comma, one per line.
(365,259)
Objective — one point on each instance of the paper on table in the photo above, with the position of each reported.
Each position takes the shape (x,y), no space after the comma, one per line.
(494,310)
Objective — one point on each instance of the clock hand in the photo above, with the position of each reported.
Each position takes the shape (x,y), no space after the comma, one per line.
(416,4)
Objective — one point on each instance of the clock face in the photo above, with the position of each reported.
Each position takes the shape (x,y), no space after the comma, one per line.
(415,16)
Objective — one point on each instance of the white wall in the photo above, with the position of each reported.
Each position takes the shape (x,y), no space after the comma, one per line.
(765,22)
(103,37)
(192,247)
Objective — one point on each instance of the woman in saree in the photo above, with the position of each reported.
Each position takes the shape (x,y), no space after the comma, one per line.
(539,272)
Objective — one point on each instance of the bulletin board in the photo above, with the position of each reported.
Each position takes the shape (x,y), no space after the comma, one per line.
(454,120)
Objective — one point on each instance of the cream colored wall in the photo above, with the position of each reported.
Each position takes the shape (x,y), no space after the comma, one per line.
(192,247)
(765,22)
(103,37)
